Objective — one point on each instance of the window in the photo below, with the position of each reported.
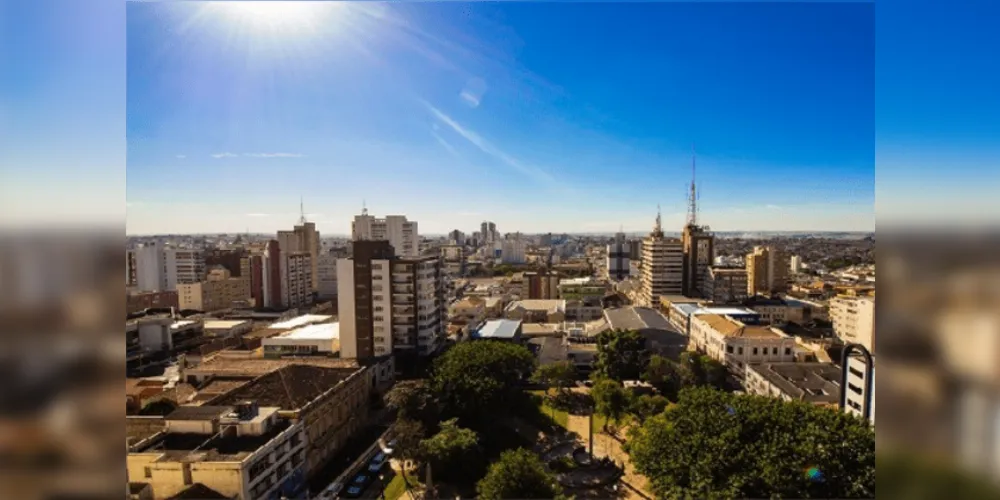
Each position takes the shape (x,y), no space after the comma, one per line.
(741,351)
(788,351)
(148,472)
(379,318)
(774,351)
(379,298)
(754,351)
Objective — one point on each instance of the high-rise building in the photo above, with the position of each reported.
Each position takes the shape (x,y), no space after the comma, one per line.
(183,265)
(158,268)
(220,290)
(513,250)
(389,304)
(662,265)
(456,237)
(618,258)
(303,238)
(327,273)
(401,234)
(795,264)
(854,320)
(725,285)
(235,260)
(541,286)
(484,231)
(699,254)
(453,260)
(280,280)
(767,271)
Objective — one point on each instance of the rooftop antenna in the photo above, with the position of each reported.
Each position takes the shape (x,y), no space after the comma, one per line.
(693,196)
(302,211)
(364,208)
(658,228)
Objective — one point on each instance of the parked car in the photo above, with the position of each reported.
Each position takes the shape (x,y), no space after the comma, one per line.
(377,462)
(357,486)
(331,492)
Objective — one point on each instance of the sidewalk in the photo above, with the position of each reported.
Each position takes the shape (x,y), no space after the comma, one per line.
(635,484)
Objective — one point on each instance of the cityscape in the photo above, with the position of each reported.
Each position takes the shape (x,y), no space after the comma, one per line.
(467,250)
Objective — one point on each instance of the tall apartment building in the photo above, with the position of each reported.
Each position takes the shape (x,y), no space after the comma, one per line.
(795,264)
(303,238)
(767,271)
(453,260)
(725,285)
(326,272)
(399,232)
(158,268)
(389,304)
(130,268)
(489,232)
(512,250)
(699,254)
(540,286)
(280,280)
(662,266)
(220,290)
(854,320)
(236,260)
(456,237)
(618,258)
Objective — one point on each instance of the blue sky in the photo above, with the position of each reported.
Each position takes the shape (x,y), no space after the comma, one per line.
(574,117)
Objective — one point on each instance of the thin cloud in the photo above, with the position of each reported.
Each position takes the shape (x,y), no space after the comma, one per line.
(224,155)
(473,92)
(274,155)
(490,149)
(182,156)
(447,145)
(469,99)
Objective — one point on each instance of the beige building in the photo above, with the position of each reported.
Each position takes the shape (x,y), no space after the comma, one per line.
(536,311)
(242,451)
(736,344)
(303,238)
(817,383)
(724,285)
(296,279)
(469,313)
(399,232)
(662,266)
(854,320)
(699,254)
(767,271)
(219,291)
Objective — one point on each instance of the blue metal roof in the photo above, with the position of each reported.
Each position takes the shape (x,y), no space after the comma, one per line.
(498,329)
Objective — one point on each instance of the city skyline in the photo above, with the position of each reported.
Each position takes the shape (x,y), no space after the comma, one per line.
(452,114)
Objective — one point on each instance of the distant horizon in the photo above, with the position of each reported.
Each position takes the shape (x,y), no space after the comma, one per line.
(554,233)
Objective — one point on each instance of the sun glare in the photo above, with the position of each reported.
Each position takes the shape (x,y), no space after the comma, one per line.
(276,16)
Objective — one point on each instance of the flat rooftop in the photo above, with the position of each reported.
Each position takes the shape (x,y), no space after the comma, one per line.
(538,329)
(817,383)
(727,311)
(177,325)
(193,447)
(498,329)
(289,388)
(247,366)
(321,331)
(731,328)
(305,319)
(539,305)
(223,324)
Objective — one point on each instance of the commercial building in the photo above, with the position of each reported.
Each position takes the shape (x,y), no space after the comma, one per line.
(401,234)
(512,250)
(662,266)
(158,268)
(618,257)
(540,286)
(236,260)
(139,301)
(736,344)
(817,383)
(280,280)
(725,285)
(388,303)
(242,450)
(499,329)
(537,311)
(774,310)
(322,338)
(326,273)
(303,238)
(219,291)
(856,389)
(699,254)
(854,320)
(767,271)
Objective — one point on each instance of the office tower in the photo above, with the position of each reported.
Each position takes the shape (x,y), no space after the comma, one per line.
(724,285)
(767,271)
(512,250)
(234,260)
(662,266)
(389,304)
(220,290)
(543,286)
(158,268)
(484,231)
(401,234)
(699,245)
(303,238)
(618,258)
(327,273)
(280,280)
(456,237)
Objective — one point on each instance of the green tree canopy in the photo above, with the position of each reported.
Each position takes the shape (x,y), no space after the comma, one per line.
(699,369)
(610,399)
(454,453)
(561,375)
(664,375)
(647,406)
(518,474)
(414,400)
(718,445)
(621,355)
(478,380)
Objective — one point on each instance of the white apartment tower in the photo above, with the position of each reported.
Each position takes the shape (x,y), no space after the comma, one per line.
(662,266)
(399,232)
(161,269)
(389,304)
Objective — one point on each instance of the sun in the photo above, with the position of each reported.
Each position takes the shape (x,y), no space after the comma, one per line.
(275,17)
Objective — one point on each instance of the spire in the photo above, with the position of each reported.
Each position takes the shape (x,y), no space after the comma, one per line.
(658,228)
(364,208)
(693,195)
(302,211)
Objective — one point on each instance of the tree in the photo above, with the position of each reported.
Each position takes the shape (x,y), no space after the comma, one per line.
(414,400)
(714,444)
(699,369)
(647,406)
(664,375)
(561,374)
(610,400)
(454,453)
(621,355)
(479,380)
(518,474)
(408,435)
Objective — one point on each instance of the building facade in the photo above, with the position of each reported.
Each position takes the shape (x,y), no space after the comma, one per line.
(540,286)
(389,304)
(512,250)
(453,260)
(854,320)
(280,280)
(724,285)
(699,255)
(326,272)
(219,291)
(401,234)
(617,258)
(736,344)
(817,383)
(303,238)
(662,266)
(767,271)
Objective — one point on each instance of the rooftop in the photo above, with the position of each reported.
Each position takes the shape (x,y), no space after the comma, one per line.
(539,305)
(811,382)
(194,447)
(730,328)
(221,324)
(289,388)
(321,331)
(498,329)
(199,412)
(540,329)
(198,491)
(727,311)
(247,366)
(305,319)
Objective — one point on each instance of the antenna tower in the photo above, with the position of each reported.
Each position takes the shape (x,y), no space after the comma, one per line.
(302,211)
(693,195)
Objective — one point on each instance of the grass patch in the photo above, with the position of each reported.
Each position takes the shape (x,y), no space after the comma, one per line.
(557,416)
(396,488)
